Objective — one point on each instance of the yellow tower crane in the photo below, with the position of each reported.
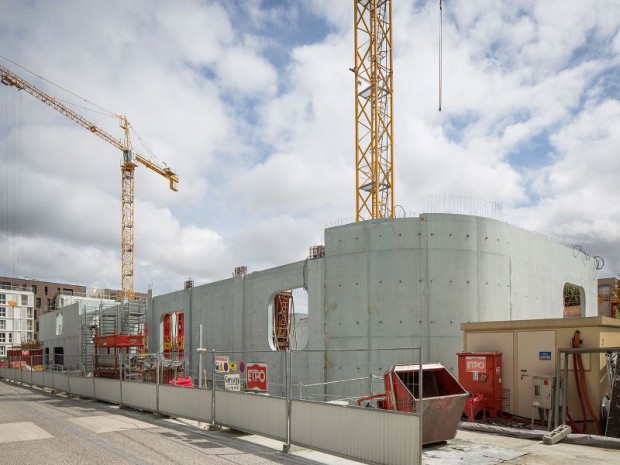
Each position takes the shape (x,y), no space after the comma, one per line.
(374,131)
(128,166)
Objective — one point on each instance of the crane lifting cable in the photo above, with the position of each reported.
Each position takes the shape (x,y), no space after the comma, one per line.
(131,160)
(440,52)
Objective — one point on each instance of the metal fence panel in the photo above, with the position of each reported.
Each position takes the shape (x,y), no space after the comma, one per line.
(38,378)
(108,390)
(83,387)
(60,382)
(361,434)
(254,413)
(191,403)
(140,395)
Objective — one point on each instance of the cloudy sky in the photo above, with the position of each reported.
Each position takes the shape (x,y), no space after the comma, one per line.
(251,102)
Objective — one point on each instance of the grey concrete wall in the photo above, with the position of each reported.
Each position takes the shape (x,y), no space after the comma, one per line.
(401,282)
(391,283)
(70,337)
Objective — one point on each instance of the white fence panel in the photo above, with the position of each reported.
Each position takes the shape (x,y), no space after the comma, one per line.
(260,414)
(38,378)
(60,382)
(2,372)
(108,390)
(140,395)
(191,403)
(48,378)
(361,434)
(82,387)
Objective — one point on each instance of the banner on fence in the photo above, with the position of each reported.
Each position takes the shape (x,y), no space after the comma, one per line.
(222,364)
(257,376)
(232,382)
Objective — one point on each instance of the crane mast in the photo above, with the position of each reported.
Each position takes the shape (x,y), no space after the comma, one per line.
(128,166)
(374,131)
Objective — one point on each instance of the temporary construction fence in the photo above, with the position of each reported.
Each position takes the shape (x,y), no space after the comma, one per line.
(305,398)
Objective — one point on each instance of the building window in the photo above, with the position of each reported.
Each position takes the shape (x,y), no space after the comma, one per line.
(2,351)
(10,337)
(30,312)
(2,312)
(2,337)
(38,302)
(2,299)
(29,325)
(34,289)
(24,300)
(2,324)
(30,336)
(45,290)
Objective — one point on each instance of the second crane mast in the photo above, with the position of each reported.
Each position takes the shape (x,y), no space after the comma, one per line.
(374,131)
(128,166)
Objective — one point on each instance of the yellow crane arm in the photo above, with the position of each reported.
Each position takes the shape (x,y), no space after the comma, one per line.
(9,78)
(130,158)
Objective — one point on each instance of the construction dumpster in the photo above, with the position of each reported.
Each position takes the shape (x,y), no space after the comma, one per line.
(442,395)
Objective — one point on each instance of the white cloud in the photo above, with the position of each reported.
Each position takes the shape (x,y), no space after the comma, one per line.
(265,148)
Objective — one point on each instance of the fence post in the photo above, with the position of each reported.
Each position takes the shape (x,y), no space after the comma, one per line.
(421,405)
(157,371)
(31,371)
(213,390)
(287,385)
(120,377)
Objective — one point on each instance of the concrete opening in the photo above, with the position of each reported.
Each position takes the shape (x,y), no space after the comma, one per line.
(574,301)
(59,324)
(59,355)
(288,320)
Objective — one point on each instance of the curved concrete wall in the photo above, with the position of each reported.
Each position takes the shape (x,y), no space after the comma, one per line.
(392,283)
(413,281)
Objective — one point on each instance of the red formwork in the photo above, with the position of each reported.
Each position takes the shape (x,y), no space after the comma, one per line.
(32,357)
(109,348)
(480,373)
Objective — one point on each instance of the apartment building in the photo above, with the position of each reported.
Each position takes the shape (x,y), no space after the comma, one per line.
(17,316)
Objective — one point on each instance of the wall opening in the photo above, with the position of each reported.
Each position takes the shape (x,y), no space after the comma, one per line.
(172,331)
(574,301)
(59,324)
(288,320)
(59,355)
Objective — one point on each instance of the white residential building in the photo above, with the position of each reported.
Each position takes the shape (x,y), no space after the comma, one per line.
(16,316)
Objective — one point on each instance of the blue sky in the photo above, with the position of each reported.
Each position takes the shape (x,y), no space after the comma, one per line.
(251,102)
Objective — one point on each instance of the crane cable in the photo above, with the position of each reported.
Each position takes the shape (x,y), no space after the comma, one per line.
(104,110)
(440,51)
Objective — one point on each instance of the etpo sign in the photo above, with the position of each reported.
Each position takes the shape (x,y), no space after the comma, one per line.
(475,364)
(256,379)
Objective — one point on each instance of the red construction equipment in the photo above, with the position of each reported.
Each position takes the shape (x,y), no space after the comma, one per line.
(110,349)
(480,373)
(443,398)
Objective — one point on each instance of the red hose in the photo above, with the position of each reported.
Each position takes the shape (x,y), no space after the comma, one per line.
(582,390)
(574,344)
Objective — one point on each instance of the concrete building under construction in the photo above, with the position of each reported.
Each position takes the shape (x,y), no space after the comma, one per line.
(390,283)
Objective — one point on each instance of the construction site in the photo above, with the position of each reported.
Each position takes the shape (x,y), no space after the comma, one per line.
(430,338)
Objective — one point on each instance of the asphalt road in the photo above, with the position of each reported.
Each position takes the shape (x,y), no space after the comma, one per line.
(37,427)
